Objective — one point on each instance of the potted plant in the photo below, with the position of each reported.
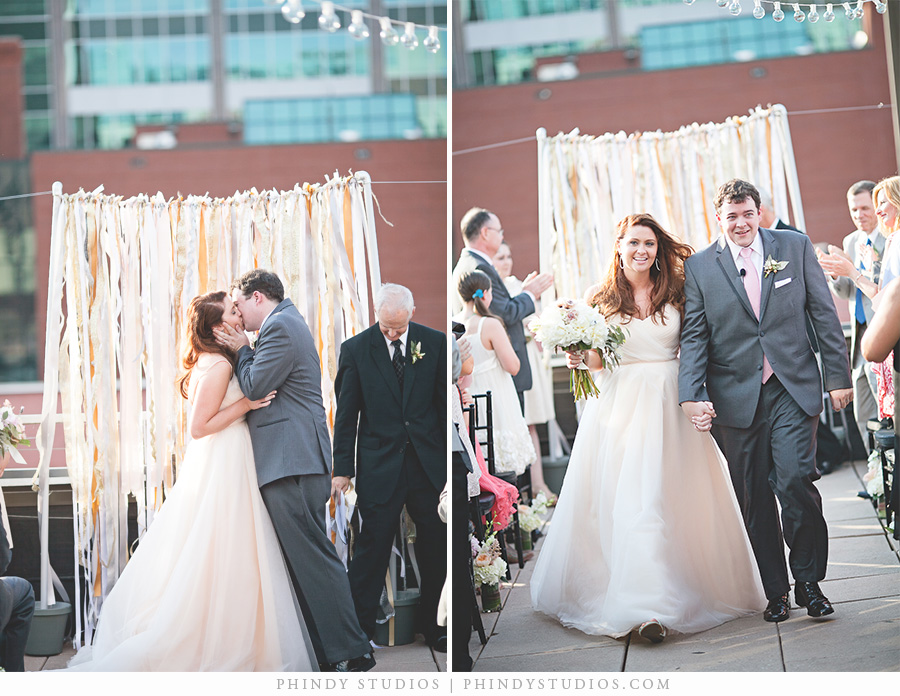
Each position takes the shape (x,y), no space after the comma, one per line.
(488,568)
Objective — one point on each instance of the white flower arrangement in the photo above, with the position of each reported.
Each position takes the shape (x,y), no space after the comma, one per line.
(12,431)
(873,477)
(528,519)
(574,325)
(488,567)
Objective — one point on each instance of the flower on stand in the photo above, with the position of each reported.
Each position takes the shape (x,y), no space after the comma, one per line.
(574,325)
(539,503)
(528,519)
(873,478)
(488,566)
(12,431)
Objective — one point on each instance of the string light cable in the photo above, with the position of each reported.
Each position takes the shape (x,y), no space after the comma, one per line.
(852,10)
(293,12)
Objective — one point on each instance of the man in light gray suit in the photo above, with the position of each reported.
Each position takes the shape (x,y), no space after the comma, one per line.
(749,373)
(483,235)
(855,275)
(292,450)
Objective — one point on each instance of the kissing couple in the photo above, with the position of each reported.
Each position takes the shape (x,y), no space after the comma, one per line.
(237,572)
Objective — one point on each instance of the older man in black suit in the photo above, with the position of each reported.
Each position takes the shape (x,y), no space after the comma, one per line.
(483,235)
(390,431)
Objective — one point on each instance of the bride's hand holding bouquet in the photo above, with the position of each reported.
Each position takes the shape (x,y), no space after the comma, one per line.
(574,326)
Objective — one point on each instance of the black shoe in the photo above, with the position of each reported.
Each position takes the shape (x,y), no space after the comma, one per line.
(810,596)
(779,608)
(363,663)
(439,644)
(827,467)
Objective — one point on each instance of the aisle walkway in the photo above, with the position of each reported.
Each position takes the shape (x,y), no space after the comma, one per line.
(863,634)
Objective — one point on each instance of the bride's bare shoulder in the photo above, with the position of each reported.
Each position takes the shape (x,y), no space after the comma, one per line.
(591,291)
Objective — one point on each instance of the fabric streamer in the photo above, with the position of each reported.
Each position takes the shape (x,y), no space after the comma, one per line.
(122,273)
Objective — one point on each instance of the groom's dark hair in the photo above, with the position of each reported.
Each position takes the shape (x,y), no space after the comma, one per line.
(260,280)
(736,191)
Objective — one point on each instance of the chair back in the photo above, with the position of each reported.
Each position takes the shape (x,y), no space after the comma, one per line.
(481,418)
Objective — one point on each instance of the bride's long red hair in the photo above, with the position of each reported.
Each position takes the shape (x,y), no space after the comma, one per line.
(204,313)
(615,295)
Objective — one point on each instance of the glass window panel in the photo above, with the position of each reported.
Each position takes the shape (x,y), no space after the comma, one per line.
(153,60)
(15,8)
(178,60)
(27,31)
(257,22)
(35,66)
(284,64)
(177,26)
(37,132)
(123,27)
(150,26)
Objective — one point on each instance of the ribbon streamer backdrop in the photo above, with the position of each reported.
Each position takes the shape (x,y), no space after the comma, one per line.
(588,183)
(122,272)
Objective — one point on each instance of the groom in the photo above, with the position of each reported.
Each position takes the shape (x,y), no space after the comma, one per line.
(293,463)
(747,368)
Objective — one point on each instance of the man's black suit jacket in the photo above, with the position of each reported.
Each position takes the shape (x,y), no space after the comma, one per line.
(374,423)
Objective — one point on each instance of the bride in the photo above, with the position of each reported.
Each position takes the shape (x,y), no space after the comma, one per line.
(647,533)
(207,588)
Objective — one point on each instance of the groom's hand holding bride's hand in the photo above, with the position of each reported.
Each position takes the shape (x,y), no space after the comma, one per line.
(230,337)
(339,484)
(701,414)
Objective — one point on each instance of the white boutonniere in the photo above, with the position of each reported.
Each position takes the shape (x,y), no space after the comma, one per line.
(773,266)
(416,353)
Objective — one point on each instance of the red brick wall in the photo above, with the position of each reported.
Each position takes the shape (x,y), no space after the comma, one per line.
(413,252)
(832,150)
(12,138)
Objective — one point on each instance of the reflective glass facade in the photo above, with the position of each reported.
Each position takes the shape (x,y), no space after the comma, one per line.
(139,47)
(667,33)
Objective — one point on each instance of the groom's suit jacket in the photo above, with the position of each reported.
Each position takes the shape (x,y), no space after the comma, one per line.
(290,435)
(512,310)
(722,341)
(374,422)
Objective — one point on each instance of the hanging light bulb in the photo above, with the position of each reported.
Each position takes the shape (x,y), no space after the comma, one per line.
(688,2)
(432,43)
(880,7)
(798,13)
(721,3)
(409,36)
(388,34)
(849,12)
(735,7)
(758,10)
(777,13)
(328,20)
(813,15)
(829,13)
(859,10)
(358,29)
(292,11)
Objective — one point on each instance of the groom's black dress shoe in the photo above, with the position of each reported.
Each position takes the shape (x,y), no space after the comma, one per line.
(363,663)
(779,608)
(810,596)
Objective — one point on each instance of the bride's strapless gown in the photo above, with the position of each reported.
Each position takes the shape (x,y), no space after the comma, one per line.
(647,525)
(207,588)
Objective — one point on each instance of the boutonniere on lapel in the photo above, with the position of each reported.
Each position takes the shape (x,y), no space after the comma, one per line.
(416,352)
(773,266)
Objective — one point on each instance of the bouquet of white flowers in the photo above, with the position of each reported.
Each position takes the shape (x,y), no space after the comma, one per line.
(12,431)
(488,566)
(528,519)
(574,325)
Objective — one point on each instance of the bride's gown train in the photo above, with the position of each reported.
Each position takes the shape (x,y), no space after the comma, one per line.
(647,525)
(207,588)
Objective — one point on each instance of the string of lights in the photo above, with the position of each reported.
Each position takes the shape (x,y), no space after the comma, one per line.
(851,10)
(293,12)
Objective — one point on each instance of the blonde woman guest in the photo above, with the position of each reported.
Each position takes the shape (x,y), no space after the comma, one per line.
(539,399)
(886,198)
(496,363)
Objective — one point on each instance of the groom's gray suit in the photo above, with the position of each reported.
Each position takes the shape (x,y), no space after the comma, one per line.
(292,450)
(767,432)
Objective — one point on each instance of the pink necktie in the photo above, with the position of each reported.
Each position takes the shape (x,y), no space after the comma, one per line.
(751,285)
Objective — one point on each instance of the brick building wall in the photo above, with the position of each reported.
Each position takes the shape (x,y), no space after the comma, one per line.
(832,150)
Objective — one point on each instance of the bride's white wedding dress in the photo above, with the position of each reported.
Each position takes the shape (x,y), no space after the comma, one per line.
(207,588)
(647,525)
